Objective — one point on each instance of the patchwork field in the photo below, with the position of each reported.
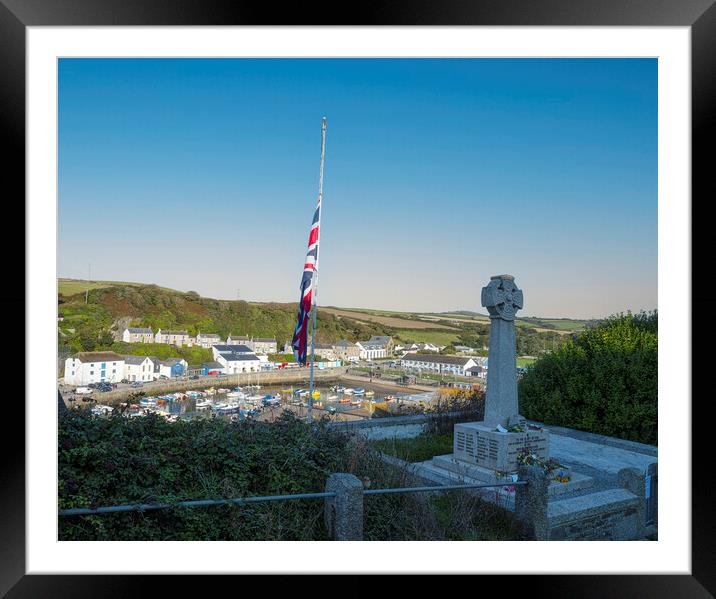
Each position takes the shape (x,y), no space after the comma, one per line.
(391,321)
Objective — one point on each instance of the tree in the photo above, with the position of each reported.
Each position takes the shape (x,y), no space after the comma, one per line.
(603,380)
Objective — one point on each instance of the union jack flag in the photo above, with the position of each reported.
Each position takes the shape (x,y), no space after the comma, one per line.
(300,334)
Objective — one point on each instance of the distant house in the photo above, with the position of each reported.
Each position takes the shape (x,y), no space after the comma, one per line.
(347,351)
(370,350)
(455,365)
(239,340)
(325,351)
(236,363)
(137,335)
(171,367)
(464,349)
(207,339)
(218,350)
(478,371)
(178,338)
(84,368)
(210,368)
(264,345)
(138,368)
(384,341)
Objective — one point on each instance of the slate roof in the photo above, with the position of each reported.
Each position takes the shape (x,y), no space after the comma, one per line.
(232,349)
(98,356)
(240,357)
(265,340)
(212,365)
(139,331)
(344,343)
(134,359)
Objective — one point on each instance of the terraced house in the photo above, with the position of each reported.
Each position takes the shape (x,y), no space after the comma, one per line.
(207,339)
(138,368)
(262,345)
(455,365)
(345,350)
(178,338)
(84,368)
(137,335)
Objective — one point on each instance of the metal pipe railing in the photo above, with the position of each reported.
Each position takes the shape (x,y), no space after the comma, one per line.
(266,498)
(194,503)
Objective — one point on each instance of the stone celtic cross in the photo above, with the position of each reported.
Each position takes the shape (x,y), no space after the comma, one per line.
(502,299)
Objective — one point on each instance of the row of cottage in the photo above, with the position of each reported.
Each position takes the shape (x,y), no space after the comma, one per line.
(259,345)
(110,367)
(378,346)
(84,368)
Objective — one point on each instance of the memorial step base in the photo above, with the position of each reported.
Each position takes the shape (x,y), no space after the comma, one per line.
(577,482)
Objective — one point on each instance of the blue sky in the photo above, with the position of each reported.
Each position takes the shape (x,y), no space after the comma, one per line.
(202,174)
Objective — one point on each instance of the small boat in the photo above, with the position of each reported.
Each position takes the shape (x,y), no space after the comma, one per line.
(332,397)
(349,391)
(344,400)
(360,391)
(369,393)
(316,394)
(389,397)
(356,402)
(286,390)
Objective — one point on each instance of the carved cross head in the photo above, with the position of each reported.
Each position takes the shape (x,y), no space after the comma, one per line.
(502,298)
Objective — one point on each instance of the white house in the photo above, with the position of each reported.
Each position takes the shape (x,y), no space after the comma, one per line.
(455,365)
(239,340)
(137,335)
(169,368)
(172,337)
(236,363)
(207,339)
(369,351)
(94,367)
(262,345)
(138,368)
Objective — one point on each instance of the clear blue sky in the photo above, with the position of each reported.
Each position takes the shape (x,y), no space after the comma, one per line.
(202,174)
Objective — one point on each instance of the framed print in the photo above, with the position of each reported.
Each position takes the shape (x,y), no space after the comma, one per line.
(591,118)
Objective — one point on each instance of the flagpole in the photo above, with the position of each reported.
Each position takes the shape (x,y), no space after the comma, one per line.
(314,295)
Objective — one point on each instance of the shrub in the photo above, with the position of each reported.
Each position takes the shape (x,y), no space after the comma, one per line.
(603,380)
(119,461)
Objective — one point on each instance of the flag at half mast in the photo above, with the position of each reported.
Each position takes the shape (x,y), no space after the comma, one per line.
(300,335)
(309,281)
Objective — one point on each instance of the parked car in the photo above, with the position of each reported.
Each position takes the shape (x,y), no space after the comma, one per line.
(137,384)
(83,391)
(194,376)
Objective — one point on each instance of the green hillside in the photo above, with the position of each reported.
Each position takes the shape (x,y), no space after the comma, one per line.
(90,326)
(91,323)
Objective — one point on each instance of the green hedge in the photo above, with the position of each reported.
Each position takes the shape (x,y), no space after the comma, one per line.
(119,461)
(603,380)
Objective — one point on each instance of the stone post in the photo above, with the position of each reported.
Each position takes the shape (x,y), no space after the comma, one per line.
(634,481)
(531,502)
(653,472)
(502,299)
(343,514)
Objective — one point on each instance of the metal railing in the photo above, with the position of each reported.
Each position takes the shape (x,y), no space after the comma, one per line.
(140,507)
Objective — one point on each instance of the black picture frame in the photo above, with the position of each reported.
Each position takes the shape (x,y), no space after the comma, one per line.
(699,15)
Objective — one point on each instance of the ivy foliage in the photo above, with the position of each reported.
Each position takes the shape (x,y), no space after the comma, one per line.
(603,380)
(120,461)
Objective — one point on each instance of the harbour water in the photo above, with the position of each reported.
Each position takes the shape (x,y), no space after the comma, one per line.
(266,402)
